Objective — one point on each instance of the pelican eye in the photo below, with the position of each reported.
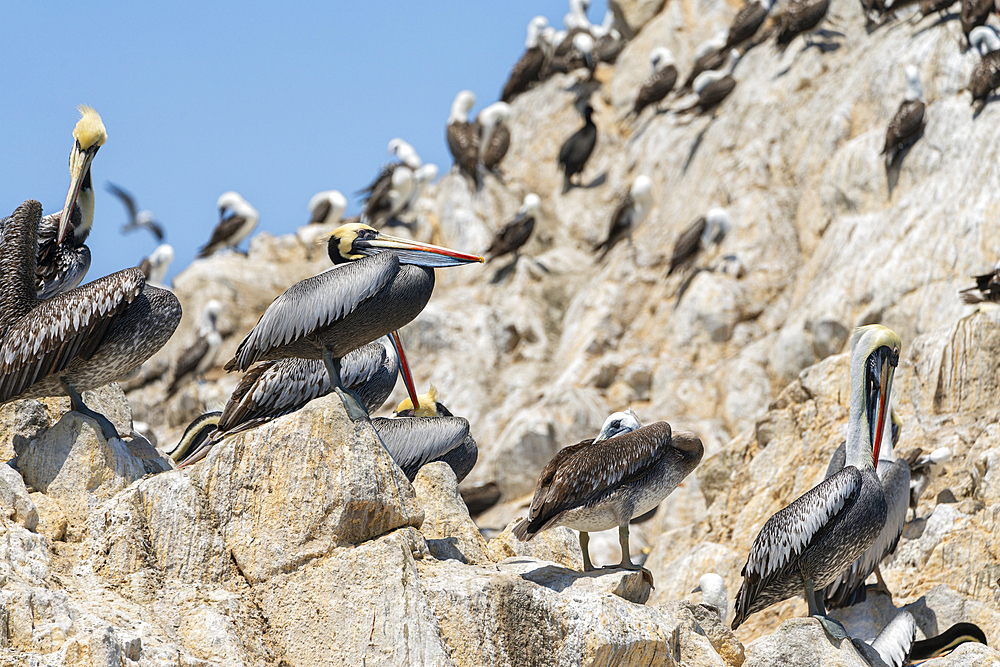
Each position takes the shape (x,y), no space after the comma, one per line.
(367,234)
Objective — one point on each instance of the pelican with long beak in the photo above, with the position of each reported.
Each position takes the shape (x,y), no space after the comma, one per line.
(805,546)
(90,135)
(378,284)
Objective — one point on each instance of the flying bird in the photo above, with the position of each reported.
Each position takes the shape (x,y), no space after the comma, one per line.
(701,234)
(631,211)
(136,219)
(659,84)
(577,149)
(463,139)
(907,125)
(232,229)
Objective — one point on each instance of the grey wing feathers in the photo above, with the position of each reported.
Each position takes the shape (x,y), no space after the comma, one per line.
(272,389)
(893,644)
(362,364)
(415,441)
(837,461)
(69,325)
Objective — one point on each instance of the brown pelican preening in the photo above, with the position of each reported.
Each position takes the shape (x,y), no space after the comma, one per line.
(908,123)
(947,641)
(231,229)
(985,77)
(631,211)
(494,135)
(713,594)
(463,140)
(77,340)
(136,219)
(806,545)
(528,69)
(154,268)
(198,358)
(602,483)
(987,288)
(516,233)
(704,232)
(195,435)
(428,406)
(577,149)
(660,82)
(327,207)
(379,283)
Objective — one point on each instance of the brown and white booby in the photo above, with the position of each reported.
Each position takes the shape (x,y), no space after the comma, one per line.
(923,467)
(987,288)
(378,284)
(907,125)
(704,232)
(629,213)
(713,594)
(77,340)
(602,483)
(806,545)
(233,228)
(576,150)
(154,268)
(516,233)
(713,86)
(200,356)
(894,642)
(327,207)
(494,135)
(463,139)
(660,82)
(973,13)
(801,16)
(136,219)
(528,69)
(747,22)
(985,76)
(382,195)
(709,55)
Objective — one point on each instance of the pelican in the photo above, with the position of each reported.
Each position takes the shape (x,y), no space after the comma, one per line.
(806,545)
(494,135)
(327,207)
(987,288)
(631,211)
(713,591)
(922,468)
(233,229)
(709,55)
(427,406)
(136,219)
(985,76)
(747,22)
(195,435)
(947,641)
(713,86)
(529,67)
(602,483)
(907,125)
(378,284)
(154,268)
(463,141)
(516,233)
(197,359)
(704,232)
(800,17)
(894,642)
(577,149)
(659,84)
(78,340)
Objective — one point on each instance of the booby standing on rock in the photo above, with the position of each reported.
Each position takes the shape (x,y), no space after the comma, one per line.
(987,288)
(709,55)
(327,207)
(714,86)
(516,233)
(803,547)
(379,283)
(713,591)
(660,82)
(529,67)
(78,340)
(377,193)
(231,229)
(800,16)
(985,76)
(197,359)
(922,468)
(631,211)
(706,231)
(154,268)
(494,135)
(973,13)
(576,150)
(747,22)
(908,123)
(136,219)
(602,483)
(463,140)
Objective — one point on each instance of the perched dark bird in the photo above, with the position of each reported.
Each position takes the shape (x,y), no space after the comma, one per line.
(629,213)
(660,82)
(463,140)
(327,207)
(77,340)
(908,124)
(704,232)
(928,7)
(195,435)
(154,268)
(516,233)
(136,219)
(806,545)
(528,69)
(608,45)
(232,229)
(494,135)
(714,86)
(709,55)
(985,76)
(987,288)
(390,192)
(577,149)
(747,22)
(199,357)
(578,55)
(801,16)
(973,14)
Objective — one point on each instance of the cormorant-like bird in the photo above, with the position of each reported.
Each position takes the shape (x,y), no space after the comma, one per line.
(528,69)
(707,230)
(232,229)
(660,82)
(631,211)
(136,219)
(463,140)
(577,149)
(908,124)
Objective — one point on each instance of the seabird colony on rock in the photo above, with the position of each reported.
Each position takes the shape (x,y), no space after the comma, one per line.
(136,219)
(232,228)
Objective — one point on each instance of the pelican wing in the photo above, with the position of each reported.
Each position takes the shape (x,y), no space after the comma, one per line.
(67,326)
(363,364)
(893,644)
(837,461)
(415,441)
(272,389)
(314,303)
(792,530)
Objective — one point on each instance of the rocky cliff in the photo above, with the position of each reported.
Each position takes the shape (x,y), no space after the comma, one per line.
(301,543)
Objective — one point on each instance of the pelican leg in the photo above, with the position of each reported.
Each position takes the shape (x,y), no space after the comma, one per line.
(881,585)
(355,408)
(818,610)
(627,563)
(76,404)
(585,548)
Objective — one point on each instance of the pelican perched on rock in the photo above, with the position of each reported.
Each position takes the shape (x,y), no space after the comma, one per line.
(713,592)
(747,22)
(894,642)
(631,211)
(463,139)
(327,207)
(136,219)
(985,76)
(379,283)
(516,233)
(947,641)
(154,268)
(987,288)
(713,86)
(576,150)
(195,435)
(806,545)
(232,228)
(908,124)
(701,234)
(77,340)
(428,406)
(709,55)
(494,135)
(801,16)
(602,483)
(528,69)
(659,84)
(200,356)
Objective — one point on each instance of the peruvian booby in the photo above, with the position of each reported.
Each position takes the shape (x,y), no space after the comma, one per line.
(803,547)
(516,233)
(200,356)
(660,82)
(232,229)
(801,16)
(922,468)
(928,7)
(494,135)
(389,199)
(947,641)
(908,124)
(602,483)
(327,207)
(136,219)
(576,150)
(713,592)
(577,19)
(528,69)
(985,76)
(630,212)
(463,140)
(579,55)
(747,22)
(77,340)
(154,268)
(713,86)
(379,283)
(973,13)
(709,55)
(704,232)
(987,288)
(378,190)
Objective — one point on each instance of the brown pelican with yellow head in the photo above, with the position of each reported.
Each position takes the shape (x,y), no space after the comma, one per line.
(378,284)
(805,546)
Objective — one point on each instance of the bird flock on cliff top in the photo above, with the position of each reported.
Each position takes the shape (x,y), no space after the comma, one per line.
(338,331)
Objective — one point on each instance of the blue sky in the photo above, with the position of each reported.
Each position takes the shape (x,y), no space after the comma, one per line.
(200,98)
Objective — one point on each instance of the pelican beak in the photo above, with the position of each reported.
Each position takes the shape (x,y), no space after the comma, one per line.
(882,366)
(421,254)
(79,168)
(404,366)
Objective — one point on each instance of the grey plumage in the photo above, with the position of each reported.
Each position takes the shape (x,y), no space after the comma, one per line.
(413,442)
(894,642)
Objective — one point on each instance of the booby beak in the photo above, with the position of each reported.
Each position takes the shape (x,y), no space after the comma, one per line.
(404,365)
(222,213)
(79,166)
(697,589)
(882,366)
(420,254)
